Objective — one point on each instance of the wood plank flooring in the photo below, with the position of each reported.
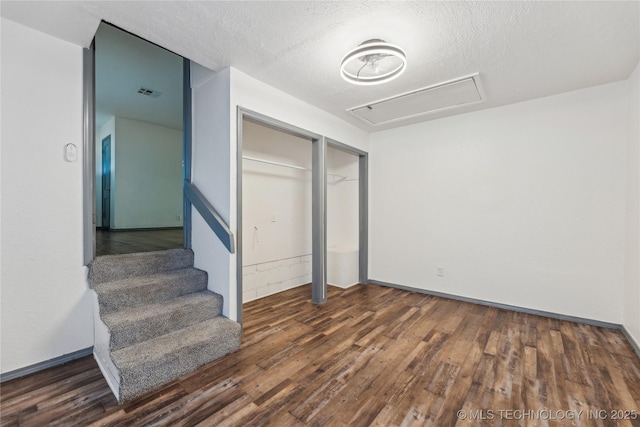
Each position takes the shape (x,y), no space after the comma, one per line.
(370,356)
(134,241)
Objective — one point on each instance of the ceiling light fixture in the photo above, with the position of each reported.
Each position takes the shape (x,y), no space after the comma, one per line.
(373,62)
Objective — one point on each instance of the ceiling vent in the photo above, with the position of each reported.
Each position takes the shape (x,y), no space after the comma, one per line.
(148,92)
(443,96)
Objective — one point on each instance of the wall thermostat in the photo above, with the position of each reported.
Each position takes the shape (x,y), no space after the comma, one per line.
(70,153)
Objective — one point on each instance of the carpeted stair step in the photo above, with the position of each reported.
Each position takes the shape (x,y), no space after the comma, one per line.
(137,324)
(149,364)
(110,268)
(155,320)
(149,289)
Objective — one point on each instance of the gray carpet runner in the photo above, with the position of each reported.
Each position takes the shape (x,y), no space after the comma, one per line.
(155,320)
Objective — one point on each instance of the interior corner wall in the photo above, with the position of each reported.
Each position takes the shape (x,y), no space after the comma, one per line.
(631,320)
(521,205)
(147,173)
(109,128)
(46,309)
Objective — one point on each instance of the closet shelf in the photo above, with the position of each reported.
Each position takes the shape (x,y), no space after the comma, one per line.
(286,165)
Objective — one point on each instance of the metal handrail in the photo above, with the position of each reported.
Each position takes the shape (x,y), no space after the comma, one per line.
(210,215)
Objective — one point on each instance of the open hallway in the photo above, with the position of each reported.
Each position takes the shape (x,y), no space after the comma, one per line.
(134,241)
(370,356)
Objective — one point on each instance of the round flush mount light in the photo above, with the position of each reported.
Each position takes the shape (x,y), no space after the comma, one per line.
(373,62)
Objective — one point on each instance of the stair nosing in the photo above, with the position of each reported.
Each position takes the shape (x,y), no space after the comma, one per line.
(165,307)
(198,327)
(134,281)
(108,268)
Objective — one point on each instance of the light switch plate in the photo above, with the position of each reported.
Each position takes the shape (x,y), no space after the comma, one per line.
(70,153)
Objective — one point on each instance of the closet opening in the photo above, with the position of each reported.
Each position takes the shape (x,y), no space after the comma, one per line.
(302,210)
(276,211)
(343,231)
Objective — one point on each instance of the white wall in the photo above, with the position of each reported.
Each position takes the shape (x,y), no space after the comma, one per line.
(147,168)
(521,205)
(146,176)
(109,128)
(631,319)
(211,121)
(343,220)
(45,306)
(276,201)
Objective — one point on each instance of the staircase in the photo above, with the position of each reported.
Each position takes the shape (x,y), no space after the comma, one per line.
(155,320)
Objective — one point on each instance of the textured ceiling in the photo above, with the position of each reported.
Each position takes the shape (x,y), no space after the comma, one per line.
(522,49)
(125,63)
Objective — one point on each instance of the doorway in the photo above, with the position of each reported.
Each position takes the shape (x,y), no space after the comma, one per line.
(276,211)
(139,149)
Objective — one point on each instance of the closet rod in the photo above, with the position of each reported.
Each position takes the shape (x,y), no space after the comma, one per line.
(276,163)
(286,165)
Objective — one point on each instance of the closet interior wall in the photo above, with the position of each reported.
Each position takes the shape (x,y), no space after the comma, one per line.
(342,218)
(276,210)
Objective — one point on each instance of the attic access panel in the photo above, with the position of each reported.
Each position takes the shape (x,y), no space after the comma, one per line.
(423,101)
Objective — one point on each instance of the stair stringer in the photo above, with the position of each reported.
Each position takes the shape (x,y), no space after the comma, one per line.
(101,351)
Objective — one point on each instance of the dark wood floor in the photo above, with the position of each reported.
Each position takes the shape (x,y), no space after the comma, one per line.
(369,356)
(128,242)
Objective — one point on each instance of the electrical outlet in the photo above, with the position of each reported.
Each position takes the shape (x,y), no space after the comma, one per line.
(441,271)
